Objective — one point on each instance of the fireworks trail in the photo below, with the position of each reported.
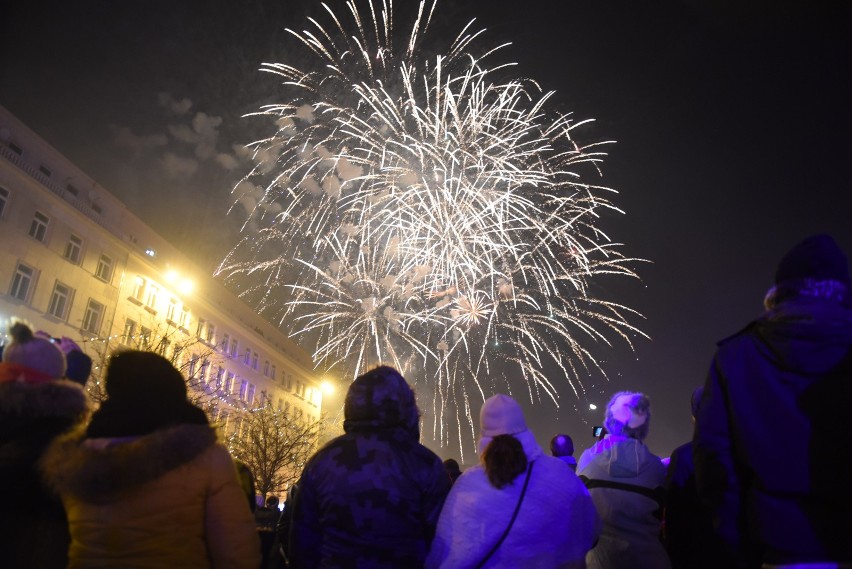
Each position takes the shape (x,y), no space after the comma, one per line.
(422,210)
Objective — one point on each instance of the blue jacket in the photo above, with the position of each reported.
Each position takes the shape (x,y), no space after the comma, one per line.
(371,497)
(771,456)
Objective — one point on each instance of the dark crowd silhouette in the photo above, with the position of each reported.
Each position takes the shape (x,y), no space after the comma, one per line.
(765,481)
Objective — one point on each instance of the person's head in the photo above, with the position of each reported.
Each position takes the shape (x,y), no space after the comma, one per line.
(815,268)
(145,393)
(381,399)
(272,502)
(561,445)
(628,414)
(452,466)
(502,454)
(31,359)
(695,401)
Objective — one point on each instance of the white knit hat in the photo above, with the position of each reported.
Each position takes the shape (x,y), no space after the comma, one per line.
(501,415)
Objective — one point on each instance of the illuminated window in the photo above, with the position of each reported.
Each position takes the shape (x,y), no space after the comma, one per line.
(38,226)
(94,315)
(138,288)
(22,281)
(4,198)
(183,319)
(73,249)
(153,292)
(202,325)
(171,309)
(211,333)
(145,337)
(127,336)
(104,270)
(60,300)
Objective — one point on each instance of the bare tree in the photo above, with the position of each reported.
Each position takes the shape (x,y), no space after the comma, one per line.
(190,355)
(275,445)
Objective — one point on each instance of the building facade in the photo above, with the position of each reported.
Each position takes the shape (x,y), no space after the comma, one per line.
(75,262)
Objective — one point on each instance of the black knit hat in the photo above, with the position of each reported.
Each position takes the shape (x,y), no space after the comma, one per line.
(818,258)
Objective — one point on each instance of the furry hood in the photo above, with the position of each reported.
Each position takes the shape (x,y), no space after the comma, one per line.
(99,471)
(54,399)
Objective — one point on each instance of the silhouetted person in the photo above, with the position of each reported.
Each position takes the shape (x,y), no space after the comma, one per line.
(771,455)
(370,497)
(518,508)
(453,469)
(562,447)
(36,406)
(626,482)
(689,527)
(146,484)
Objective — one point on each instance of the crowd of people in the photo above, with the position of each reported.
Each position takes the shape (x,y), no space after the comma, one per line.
(143,482)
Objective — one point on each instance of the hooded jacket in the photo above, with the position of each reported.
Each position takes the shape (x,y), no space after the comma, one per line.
(630,514)
(769,452)
(31,416)
(371,497)
(555,527)
(166,499)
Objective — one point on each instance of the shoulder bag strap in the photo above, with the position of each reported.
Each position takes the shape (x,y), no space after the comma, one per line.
(511,522)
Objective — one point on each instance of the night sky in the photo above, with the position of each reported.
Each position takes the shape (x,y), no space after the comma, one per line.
(732,126)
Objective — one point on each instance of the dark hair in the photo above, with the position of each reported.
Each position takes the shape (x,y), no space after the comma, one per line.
(504,460)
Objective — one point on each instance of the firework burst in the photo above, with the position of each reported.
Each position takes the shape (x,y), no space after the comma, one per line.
(424,211)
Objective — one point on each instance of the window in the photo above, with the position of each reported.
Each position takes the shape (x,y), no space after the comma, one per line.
(220,373)
(127,336)
(151,301)
(44,170)
(183,319)
(202,324)
(93,316)
(243,389)
(211,333)
(38,226)
(22,281)
(72,190)
(226,341)
(104,270)
(16,149)
(266,368)
(254,360)
(229,383)
(138,288)
(145,337)
(250,395)
(202,373)
(4,199)
(272,374)
(171,309)
(163,347)
(247,357)
(73,249)
(60,300)
(234,347)
(193,364)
